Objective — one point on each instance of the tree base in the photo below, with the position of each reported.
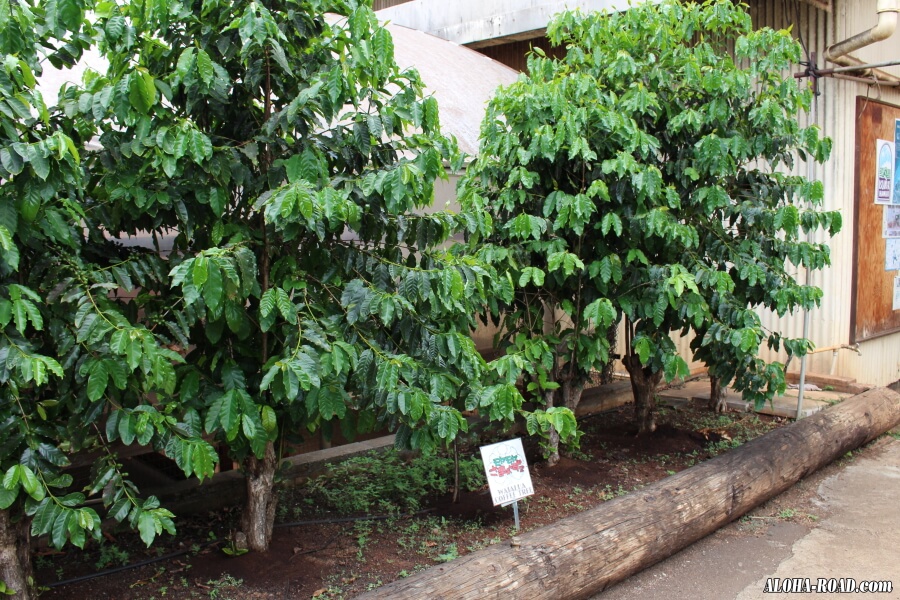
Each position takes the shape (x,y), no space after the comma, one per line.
(644,382)
(15,557)
(718,394)
(258,519)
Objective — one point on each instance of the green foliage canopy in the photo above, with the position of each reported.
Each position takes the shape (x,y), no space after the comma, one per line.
(282,165)
(648,173)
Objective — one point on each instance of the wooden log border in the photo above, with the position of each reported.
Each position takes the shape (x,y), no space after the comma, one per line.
(584,554)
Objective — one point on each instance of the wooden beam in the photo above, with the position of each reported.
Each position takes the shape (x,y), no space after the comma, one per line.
(584,554)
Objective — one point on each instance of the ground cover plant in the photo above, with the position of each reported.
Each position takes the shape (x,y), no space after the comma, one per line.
(340,559)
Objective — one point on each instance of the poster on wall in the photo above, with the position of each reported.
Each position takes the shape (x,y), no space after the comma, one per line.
(896,196)
(891,225)
(884,171)
(896,293)
(892,254)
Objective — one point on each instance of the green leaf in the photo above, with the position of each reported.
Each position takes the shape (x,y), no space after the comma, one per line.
(531,274)
(229,415)
(269,420)
(98,379)
(115,27)
(30,483)
(285,306)
(147,526)
(331,404)
(60,529)
(200,271)
(204,66)
(120,509)
(212,289)
(7,497)
(642,348)
(248,426)
(10,253)
(11,478)
(141,91)
(447,423)
(267,302)
(127,432)
(44,517)
(611,221)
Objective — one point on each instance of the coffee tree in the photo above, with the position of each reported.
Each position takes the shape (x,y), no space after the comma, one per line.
(280,163)
(79,366)
(289,161)
(647,176)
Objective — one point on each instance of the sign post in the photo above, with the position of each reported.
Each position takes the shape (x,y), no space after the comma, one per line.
(507,474)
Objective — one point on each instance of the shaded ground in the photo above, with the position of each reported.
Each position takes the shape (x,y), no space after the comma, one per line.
(340,559)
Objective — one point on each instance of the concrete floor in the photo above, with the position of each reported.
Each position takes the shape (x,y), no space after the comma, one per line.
(859,537)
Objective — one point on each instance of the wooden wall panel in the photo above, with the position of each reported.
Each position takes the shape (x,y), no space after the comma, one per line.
(514,54)
(872,313)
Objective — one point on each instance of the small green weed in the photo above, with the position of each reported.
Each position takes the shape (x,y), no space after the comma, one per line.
(219,587)
(450,553)
(391,483)
(111,554)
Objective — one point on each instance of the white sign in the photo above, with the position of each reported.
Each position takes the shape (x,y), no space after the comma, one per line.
(891,218)
(884,171)
(892,254)
(896,307)
(507,471)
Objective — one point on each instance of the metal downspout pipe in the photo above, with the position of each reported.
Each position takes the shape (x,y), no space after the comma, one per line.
(887,23)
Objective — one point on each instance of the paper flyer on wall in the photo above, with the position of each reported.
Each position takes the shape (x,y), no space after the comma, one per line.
(884,171)
(896,197)
(891,225)
(892,254)
(896,293)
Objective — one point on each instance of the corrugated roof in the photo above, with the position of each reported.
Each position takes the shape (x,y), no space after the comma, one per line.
(461,79)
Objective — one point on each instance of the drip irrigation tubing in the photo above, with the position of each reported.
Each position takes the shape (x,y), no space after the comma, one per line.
(172,555)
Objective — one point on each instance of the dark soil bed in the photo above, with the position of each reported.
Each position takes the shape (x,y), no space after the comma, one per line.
(343,558)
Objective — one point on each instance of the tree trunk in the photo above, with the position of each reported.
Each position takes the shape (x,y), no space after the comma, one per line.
(717,395)
(572,394)
(259,512)
(644,381)
(552,450)
(15,557)
(582,555)
(455,470)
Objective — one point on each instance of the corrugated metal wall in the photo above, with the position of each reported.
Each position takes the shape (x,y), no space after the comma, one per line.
(879,363)
(379,4)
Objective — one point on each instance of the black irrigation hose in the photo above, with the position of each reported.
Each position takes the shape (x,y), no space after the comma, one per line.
(136,565)
(351,519)
(157,559)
